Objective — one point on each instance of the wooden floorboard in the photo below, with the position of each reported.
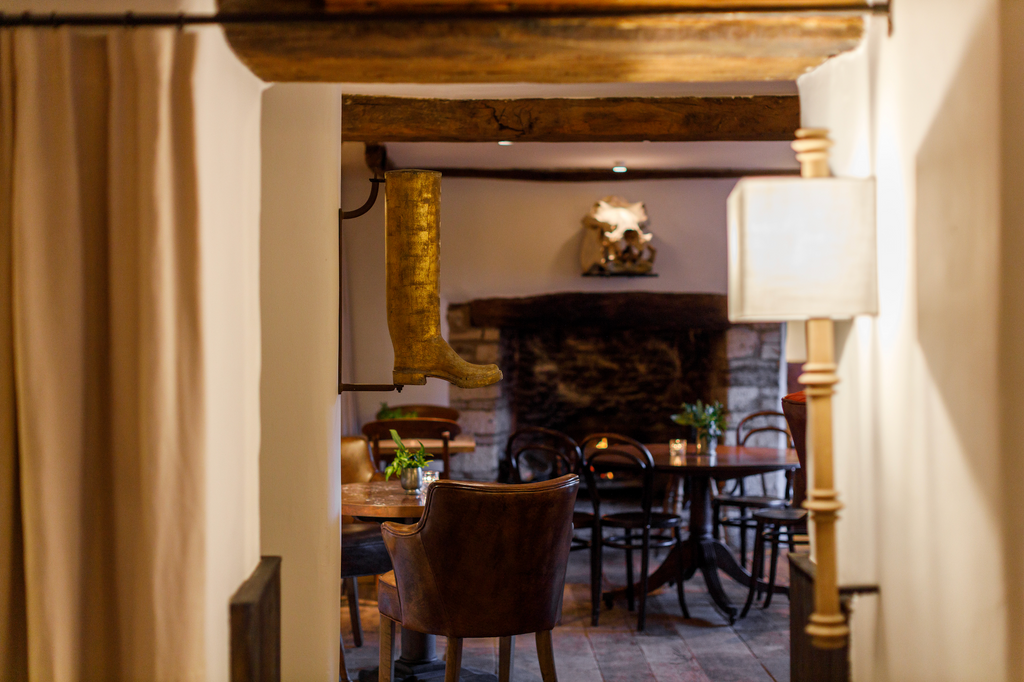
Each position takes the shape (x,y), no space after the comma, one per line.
(703,648)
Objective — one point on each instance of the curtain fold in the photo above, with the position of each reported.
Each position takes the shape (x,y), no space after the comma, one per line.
(101,358)
(13,634)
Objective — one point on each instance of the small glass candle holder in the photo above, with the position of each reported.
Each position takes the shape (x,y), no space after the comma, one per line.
(430,477)
(677,451)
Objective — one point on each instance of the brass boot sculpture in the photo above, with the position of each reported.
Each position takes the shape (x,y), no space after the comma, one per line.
(412,216)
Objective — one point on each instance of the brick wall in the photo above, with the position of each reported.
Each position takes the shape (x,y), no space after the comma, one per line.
(485,412)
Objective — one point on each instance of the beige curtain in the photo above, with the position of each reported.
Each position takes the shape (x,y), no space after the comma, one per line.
(101,398)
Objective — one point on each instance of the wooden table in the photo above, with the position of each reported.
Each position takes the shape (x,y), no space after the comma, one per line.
(387,501)
(701,550)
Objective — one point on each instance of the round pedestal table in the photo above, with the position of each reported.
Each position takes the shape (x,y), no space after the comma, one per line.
(700,551)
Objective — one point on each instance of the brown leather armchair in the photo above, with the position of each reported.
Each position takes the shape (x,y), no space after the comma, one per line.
(485,560)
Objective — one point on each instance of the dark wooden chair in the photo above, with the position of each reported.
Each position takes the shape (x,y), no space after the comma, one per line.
(535,453)
(430,411)
(773,526)
(736,497)
(625,456)
(363,551)
(439,429)
(255,617)
(485,560)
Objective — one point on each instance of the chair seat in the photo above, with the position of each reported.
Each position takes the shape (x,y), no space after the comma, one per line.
(781,516)
(636,520)
(362,550)
(582,520)
(747,501)
(360,534)
(387,597)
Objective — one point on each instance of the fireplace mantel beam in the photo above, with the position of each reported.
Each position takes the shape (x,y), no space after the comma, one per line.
(622,310)
(603,119)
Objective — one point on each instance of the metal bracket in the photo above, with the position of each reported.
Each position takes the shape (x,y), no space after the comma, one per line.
(342,216)
(370,387)
(365,208)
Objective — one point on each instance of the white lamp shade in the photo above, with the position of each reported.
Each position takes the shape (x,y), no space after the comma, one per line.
(801,248)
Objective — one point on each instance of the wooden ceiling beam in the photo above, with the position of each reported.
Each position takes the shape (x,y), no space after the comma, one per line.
(592,7)
(647,47)
(613,119)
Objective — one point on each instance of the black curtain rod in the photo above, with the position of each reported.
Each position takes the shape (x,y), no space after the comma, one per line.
(133,19)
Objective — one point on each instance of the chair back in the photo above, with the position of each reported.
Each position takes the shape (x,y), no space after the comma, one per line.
(430,411)
(744,430)
(535,453)
(485,559)
(622,454)
(794,406)
(440,429)
(356,463)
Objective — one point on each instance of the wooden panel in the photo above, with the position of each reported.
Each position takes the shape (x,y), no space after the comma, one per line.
(510,48)
(612,119)
(622,310)
(807,663)
(256,625)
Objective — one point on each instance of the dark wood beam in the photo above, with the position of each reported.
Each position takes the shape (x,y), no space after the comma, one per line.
(518,46)
(608,119)
(606,175)
(597,7)
(613,310)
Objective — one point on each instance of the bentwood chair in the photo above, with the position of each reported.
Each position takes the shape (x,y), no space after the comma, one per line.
(737,498)
(363,551)
(535,453)
(484,560)
(622,455)
(438,429)
(789,525)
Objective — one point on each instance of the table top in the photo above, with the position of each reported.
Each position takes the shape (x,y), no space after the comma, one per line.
(381,499)
(730,462)
(433,445)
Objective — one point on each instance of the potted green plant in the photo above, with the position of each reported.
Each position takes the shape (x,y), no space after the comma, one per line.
(407,465)
(707,420)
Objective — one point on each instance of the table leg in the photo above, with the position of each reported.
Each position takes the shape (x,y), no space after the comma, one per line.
(700,551)
(419,662)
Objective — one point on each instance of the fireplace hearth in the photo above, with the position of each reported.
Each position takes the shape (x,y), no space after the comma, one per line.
(623,362)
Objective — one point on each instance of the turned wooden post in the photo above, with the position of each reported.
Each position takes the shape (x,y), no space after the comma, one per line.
(828,627)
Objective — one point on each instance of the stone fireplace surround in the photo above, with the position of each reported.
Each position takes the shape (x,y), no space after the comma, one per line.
(620,361)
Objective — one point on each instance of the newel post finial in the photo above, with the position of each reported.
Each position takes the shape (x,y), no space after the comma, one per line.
(811,147)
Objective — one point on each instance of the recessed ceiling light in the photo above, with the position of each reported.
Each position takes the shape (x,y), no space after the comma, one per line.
(619,167)
(505,143)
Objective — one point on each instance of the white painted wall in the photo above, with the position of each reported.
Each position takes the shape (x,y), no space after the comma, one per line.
(300,476)
(514,238)
(228,103)
(919,414)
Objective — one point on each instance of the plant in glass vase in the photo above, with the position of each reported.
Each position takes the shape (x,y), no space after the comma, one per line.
(707,420)
(407,465)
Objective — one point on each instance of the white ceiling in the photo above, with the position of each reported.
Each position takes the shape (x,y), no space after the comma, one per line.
(562,155)
(546,90)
